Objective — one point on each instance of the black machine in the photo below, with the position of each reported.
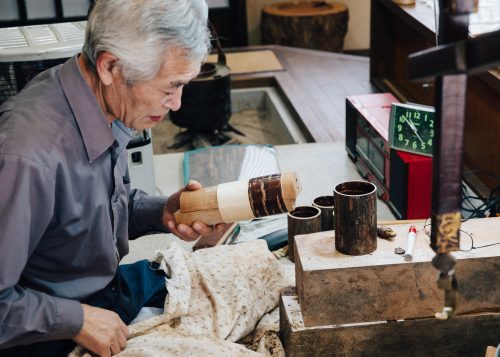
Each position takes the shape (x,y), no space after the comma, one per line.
(206,102)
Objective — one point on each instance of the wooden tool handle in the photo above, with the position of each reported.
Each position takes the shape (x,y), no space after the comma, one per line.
(199,200)
(209,217)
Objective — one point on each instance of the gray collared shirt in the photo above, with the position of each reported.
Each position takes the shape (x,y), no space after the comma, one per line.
(66,212)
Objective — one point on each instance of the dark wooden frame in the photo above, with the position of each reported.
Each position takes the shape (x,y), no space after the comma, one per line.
(231,23)
(398,31)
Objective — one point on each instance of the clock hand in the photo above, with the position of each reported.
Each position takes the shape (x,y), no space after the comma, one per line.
(413,128)
(418,136)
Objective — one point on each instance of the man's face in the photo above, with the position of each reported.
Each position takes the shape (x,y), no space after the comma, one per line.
(142,105)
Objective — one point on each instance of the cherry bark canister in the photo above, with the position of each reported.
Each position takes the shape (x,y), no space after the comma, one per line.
(355,217)
(326,206)
(302,220)
(239,200)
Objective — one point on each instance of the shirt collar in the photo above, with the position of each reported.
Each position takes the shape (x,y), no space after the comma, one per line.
(122,134)
(94,127)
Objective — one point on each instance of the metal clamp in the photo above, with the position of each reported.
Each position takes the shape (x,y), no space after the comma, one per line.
(447,282)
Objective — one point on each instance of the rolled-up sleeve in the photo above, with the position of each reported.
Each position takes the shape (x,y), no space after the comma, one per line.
(26,207)
(145,213)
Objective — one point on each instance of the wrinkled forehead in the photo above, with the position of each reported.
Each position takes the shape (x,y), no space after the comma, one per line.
(176,64)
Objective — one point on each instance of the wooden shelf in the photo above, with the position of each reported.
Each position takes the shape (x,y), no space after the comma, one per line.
(398,31)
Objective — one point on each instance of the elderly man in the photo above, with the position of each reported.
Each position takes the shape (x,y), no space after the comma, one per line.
(66,211)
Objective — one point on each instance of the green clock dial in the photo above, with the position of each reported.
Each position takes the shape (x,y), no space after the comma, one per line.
(412,128)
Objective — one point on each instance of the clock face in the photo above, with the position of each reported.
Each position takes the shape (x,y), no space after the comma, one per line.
(412,128)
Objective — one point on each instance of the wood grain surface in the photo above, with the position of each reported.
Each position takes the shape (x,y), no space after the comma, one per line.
(336,288)
(355,217)
(318,25)
(315,84)
(467,335)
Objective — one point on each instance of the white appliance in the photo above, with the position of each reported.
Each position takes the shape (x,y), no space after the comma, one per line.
(140,162)
(28,50)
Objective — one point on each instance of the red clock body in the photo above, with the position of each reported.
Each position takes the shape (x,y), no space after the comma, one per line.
(404,180)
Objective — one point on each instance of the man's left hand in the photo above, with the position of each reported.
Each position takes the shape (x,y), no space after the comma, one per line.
(183,231)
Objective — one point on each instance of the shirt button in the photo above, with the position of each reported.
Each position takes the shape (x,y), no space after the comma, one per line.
(115,199)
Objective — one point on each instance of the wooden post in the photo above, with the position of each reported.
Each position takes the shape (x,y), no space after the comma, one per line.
(317,25)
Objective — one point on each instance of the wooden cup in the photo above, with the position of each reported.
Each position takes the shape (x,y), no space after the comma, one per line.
(302,220)
(326,206)
(355,217)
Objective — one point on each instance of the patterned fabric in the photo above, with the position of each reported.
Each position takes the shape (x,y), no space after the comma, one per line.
(216,297)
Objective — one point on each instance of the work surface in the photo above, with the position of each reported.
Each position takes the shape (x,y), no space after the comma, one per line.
(323,255)
(339,288)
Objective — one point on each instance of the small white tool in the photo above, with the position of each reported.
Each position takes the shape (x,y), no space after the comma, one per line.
(410,243)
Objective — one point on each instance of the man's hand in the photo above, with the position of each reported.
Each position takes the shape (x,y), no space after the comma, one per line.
(103,332)
(184,231)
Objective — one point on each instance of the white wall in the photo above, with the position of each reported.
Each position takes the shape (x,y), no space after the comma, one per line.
(358,30)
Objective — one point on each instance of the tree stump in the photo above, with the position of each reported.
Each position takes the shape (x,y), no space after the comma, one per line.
(317,25)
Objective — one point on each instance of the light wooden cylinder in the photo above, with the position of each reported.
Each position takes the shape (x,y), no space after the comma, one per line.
(209,217)
(317,25)
(234,201)
(290,189)
(199,200)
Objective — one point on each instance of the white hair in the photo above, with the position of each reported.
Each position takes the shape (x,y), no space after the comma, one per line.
(139,33)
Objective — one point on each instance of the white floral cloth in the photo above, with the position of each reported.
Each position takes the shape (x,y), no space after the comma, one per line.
(215,297)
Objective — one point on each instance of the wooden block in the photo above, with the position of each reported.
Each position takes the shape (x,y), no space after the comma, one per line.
(466,335)
(336,288)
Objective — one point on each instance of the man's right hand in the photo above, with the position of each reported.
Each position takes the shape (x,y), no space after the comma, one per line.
(103,332)
(182,230)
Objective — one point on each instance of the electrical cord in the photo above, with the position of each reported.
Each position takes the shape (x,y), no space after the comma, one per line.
(428,234)
(489,206)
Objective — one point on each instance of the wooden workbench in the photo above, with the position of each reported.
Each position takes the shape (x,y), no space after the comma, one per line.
(379,304)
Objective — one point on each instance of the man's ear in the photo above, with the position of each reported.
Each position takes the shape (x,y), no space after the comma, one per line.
(106,67)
